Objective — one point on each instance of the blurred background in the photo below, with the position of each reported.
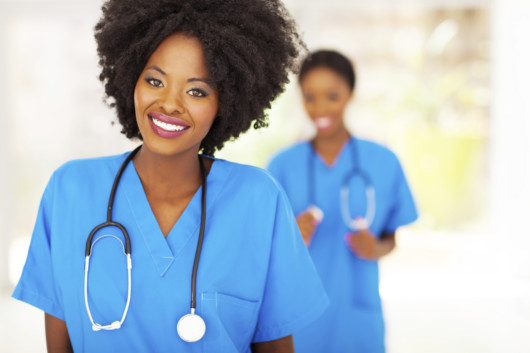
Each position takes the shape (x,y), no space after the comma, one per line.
(443,83)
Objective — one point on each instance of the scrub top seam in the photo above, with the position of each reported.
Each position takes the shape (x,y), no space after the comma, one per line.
(314,154)
(161,271)
(34,298)
(210,201)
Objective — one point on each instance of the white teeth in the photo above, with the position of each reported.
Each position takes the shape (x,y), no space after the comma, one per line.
(168,127)
(323,122)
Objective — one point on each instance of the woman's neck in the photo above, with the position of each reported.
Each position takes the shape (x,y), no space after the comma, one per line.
(168,177)
(328,147)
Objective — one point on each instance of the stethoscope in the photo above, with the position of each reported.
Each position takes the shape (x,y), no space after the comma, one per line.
(354,224)
(190,327)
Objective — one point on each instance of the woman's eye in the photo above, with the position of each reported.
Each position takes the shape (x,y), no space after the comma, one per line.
(154,82)
(197,93)
(309,98)
(333,97)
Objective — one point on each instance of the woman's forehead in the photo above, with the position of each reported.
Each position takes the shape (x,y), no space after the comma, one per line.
(179,53)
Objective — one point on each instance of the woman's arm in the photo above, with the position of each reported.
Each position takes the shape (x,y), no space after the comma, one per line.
(282,345)
(57,339)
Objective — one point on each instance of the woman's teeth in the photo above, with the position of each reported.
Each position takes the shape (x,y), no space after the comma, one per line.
(323,123)
(168,127)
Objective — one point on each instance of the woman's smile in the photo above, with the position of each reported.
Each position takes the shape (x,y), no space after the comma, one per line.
(323,123)
(326,95)
(166,126)
(175,101)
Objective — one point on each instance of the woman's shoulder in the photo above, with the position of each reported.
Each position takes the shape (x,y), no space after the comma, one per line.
(83,168)
(375,150)
(256,178)
(290,153)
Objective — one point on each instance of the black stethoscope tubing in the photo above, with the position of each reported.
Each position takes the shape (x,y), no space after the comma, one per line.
(109,222)
(201,236)
(127,248)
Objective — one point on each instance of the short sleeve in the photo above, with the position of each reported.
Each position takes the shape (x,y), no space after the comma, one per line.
(37,285)
(275,168)
(403,209)
(293,295)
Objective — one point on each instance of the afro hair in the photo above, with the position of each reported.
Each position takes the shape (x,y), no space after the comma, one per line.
(250,46)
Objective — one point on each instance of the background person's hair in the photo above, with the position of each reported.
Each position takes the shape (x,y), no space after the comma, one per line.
(332,60)
(250,46)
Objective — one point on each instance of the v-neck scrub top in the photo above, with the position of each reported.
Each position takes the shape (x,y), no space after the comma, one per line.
(256,281)
(354,320)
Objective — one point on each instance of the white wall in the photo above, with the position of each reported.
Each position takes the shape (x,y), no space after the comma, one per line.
(5,163)
(510,133)
(51,107)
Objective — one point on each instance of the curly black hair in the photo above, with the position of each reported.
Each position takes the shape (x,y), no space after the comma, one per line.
(250,46)
(332,60)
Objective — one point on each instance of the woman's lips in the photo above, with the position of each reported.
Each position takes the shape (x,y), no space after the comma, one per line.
(323,123)
(167,126)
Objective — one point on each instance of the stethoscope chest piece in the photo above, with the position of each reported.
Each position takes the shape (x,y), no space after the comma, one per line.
(191,327)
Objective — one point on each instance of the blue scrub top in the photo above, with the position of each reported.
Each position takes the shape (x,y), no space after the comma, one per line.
(354,320)
(256,281)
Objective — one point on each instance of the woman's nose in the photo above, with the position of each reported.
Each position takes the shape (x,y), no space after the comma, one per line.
(172,103)
(319,107)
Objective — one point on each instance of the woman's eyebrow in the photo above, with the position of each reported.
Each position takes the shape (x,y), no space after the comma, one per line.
(193,79)
(156,68)
(207,81)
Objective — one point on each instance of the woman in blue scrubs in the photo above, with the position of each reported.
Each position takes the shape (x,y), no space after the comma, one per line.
(346,235)
(184,77)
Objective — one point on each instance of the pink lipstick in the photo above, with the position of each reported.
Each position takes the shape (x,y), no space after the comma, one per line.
(166,126)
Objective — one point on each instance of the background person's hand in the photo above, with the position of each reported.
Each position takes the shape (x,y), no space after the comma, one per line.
(365,245)
(307,225)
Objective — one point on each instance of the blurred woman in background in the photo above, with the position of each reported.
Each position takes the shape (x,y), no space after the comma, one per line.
(350,195)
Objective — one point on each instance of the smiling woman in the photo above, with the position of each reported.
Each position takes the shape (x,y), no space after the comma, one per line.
(213,259)
(175,108)
(326,95)
(361,196)
(174,98)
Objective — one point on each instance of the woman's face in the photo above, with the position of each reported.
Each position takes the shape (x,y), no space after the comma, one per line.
(174,101)
(326,95)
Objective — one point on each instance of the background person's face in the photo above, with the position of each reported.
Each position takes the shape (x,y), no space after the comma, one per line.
(326,95)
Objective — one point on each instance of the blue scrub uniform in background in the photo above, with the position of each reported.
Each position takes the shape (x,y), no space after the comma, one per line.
(256,281)
(354,320)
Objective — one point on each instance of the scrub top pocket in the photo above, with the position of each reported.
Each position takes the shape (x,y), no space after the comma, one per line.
(230,320)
